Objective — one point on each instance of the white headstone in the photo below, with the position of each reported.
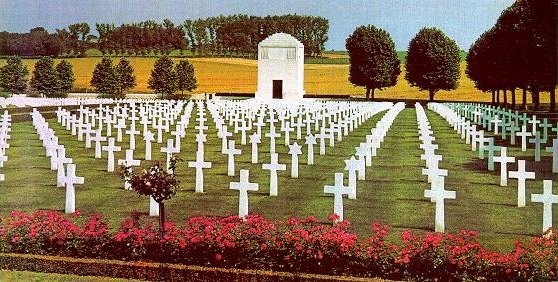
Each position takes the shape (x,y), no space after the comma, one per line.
(438,195)
(111,148)
(521,174)
(273,166)
(547,199)
(70,180)
(338,190)
(243,187)
(294,150)
(310,141)
(148,137)
(199,164)
(255,140)
(503,159)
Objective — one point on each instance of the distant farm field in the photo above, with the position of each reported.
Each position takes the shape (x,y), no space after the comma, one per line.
(240,75)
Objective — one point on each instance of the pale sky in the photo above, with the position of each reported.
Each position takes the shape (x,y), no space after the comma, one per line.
(462,20)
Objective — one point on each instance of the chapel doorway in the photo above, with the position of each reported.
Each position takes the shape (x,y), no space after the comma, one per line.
(278,89)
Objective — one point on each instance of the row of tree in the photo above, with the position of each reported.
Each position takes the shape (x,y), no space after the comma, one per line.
(240,34)
(234,35)
(47,79)
(165,79)
(50,80)
(140,38)
(432,60)
(518,52)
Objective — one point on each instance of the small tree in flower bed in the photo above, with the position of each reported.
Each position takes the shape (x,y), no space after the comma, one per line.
(155,182)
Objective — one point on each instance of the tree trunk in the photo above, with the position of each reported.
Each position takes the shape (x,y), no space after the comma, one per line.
(505,97)
(493,97)
(367,93)
(498,97)
(552,99)
(162,219)
(524,98)
(431,93)
(513,97)
(373,89)
(536,101)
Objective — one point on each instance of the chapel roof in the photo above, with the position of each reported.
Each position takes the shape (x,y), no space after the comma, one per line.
(280,40)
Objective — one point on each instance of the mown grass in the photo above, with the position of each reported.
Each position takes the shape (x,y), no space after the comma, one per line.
(392,193)
(28,276)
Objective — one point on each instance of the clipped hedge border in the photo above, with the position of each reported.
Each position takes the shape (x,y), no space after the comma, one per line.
(151,271)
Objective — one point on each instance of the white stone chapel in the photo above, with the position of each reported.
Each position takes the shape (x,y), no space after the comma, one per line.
(280,68)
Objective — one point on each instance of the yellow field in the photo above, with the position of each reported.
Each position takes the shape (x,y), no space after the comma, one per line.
(240,75)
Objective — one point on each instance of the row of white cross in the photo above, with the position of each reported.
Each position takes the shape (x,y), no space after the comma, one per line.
(338,189)
(5,129)
(547,198)
(82,124)
(489,117)
(364,152)
(23,101)
(435,175)
(57,153)
(355,119)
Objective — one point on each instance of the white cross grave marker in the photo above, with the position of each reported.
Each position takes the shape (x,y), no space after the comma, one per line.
(338,190)
(199,164)
(273,166)
(548,199)
(69,180)
(243,187)
(437,194)
(521,174)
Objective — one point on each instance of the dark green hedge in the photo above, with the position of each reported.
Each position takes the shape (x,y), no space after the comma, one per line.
(150,271)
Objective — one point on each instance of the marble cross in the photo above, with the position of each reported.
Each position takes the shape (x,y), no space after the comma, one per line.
(554,150)
(199,165)
(243,187)
(111,148)
(310,141)
(129,162)
(273,166)
(148,137)
(70,180)
(255,140)
(438,194)
(294,151)
(547,199)
(338,190)
(352,165)
(231,151)
(503,159)
(521,175)
(98,146)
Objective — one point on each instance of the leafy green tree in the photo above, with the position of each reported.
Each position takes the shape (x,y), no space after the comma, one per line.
(65,76)
(104,77)
(125,75)
(374,62)
(13,75)
(163,77)
(432,62)
(185,78)
(481,65)
(45,79)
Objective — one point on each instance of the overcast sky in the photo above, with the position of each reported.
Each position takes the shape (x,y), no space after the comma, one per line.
(463,20)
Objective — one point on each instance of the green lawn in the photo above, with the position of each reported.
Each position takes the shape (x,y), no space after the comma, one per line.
(392,193)
(27,276)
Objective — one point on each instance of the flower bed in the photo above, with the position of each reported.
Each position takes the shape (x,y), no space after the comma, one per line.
(295,245)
